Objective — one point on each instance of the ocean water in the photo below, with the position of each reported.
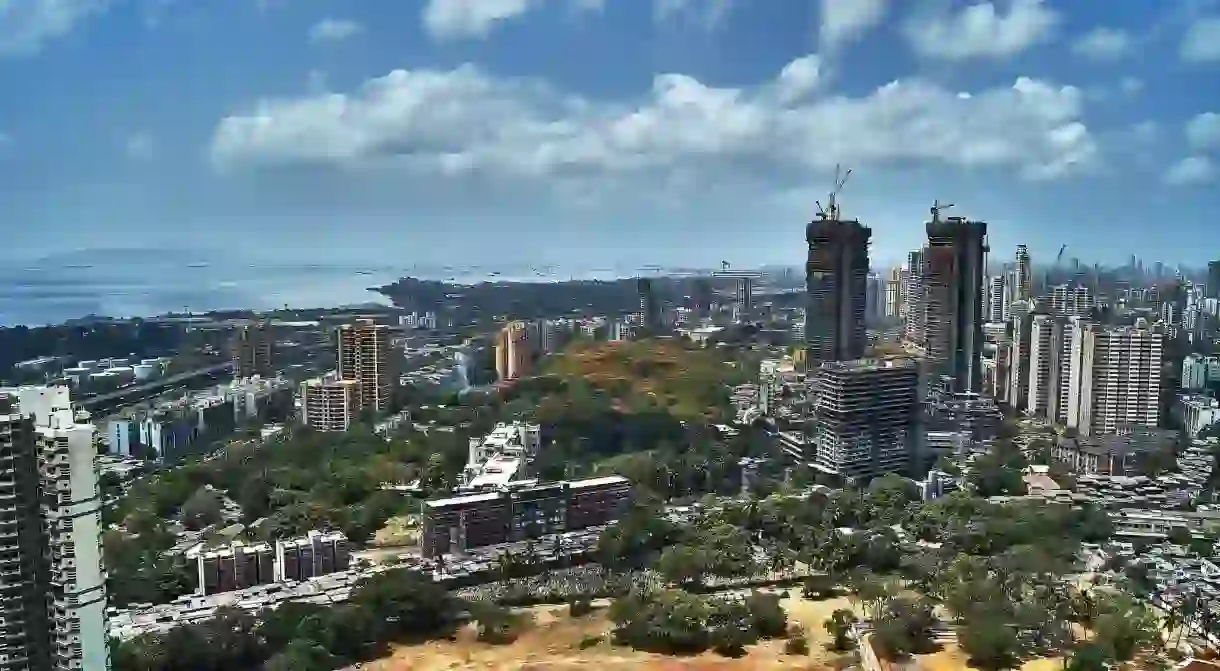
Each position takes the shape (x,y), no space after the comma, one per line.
(138,283)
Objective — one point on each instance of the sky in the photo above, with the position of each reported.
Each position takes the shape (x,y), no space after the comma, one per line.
(590,133)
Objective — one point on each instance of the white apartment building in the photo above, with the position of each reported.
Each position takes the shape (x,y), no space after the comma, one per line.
(1069,301)
(329,404)
(1198,370)
(63,485)
(1115,379)
(996,294)
(1050,367)
(1196,412)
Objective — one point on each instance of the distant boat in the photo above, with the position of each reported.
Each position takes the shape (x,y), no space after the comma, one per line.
(198,264)
(364,272)
(78,266)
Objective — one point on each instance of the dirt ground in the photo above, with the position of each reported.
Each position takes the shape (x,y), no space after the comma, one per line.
(553,644)
(953,659)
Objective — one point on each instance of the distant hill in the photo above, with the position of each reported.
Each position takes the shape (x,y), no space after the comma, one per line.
(686,382)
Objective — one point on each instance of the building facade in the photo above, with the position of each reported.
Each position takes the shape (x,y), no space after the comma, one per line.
(1116,379)
(364,355)
(867,421)
(53,591)
(459,523)
(836,285)
(253,350)
(329,404)
(953,287)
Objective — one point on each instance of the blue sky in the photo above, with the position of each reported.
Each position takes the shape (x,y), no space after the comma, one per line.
(586,133)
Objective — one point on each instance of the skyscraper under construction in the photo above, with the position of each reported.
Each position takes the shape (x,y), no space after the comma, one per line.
(836,281)
(953,278)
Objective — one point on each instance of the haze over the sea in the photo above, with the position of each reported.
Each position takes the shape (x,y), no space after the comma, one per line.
(144,282)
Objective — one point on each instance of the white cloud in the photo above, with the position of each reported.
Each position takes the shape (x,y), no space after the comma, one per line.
(455,19)
(138,146)
(1201,44)
(1191,170)
(334,30)
(26,25)
(799,78)
(845,20)
(1103,44)
(709,13)
(982,31)
(464,120)
(1203,131)
(1131,85)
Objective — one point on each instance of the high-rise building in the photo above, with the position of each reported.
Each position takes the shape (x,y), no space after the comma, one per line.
(893,296)
(329,404)
(1071,301)
(836,282)
(1019,356)
(364,356)
(1024,285)
(1115,379)
(1050,356)
(1212,288)
(53,584)
(915,308)
(744,295)
(874,298)
(24,589)
(869,417)
(650,306)
(252,351)
(953,287)
(513,355)
(996,292)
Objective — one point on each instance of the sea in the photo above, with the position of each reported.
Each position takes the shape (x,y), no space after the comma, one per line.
(54,290)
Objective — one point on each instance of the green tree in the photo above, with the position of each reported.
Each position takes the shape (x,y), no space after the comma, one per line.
(202,509)
(1124,628)
(839,625)
(990,641)
(1088,658)
(301,655)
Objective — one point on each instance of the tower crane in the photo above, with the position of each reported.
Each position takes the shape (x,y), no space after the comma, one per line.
(831,211)
(937,208)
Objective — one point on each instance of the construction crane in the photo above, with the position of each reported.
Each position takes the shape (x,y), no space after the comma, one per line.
(831,211)
(937,208)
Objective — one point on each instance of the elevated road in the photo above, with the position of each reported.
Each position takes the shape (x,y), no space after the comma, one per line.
(149,388)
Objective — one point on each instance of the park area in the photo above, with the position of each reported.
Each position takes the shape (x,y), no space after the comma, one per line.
(555,641)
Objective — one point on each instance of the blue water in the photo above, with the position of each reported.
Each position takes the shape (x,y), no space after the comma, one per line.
(129,283)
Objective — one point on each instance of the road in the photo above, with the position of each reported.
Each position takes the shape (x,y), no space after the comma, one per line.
(148,387)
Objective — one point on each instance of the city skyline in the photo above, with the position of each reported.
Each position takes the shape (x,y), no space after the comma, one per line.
(312,126)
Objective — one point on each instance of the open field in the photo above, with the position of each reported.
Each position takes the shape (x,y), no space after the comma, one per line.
(553,644)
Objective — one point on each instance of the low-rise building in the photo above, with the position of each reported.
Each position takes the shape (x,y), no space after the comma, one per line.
(1113,454)
(233,567)
(316,554)
(459,523)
